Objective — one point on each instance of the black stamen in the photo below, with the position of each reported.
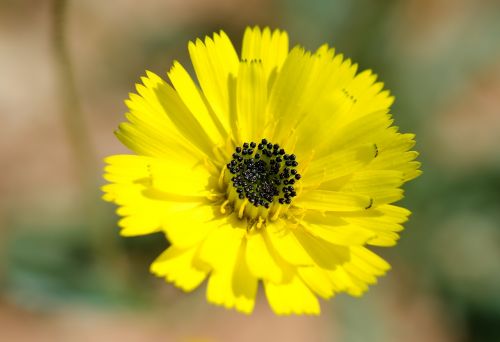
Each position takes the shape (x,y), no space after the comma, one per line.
(265,176)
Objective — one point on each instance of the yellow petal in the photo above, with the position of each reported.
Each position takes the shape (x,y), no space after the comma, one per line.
(269,47)
(383,186)
(232,285)
(216,63)
(261,262)
(384,239)
(244,283)
(177,266)
(335,230)
(383,222)
(367,94)
(394,154)
(365,265)
(292,83)
(251,100)
(393,213)
(367,129)
(143,223)
(126,168)
(368,181)
(131,189)
(149,130)
(361,270)
(180,179)
(147,142)
(375,224)
(293,297)
(325,254)
(192,97)
(286,244)
(332,201)
(331,106)
(313,137)
(345,282)
(372,262)
(338,164)
(401,161)
(383,213)
(182,118)
(186,228)
(221,245)
(317,280)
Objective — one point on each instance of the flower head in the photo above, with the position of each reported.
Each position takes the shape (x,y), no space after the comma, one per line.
(278,167)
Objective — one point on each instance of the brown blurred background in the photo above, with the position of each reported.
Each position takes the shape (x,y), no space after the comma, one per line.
(66,275)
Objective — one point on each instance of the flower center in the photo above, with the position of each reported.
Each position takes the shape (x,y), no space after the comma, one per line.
(262,174)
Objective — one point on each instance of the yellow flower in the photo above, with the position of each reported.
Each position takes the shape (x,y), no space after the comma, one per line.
(277,166)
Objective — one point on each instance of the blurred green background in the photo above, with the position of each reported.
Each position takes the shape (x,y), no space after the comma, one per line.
(66,275)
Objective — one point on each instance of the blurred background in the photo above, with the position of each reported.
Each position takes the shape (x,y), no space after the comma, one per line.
(66,275)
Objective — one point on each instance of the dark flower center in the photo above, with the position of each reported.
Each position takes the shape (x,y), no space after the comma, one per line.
(263,172)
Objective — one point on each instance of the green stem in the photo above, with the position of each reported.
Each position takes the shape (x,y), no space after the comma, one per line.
(83,155)
(71,109)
